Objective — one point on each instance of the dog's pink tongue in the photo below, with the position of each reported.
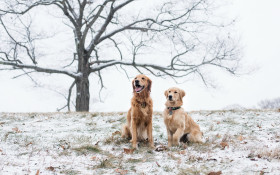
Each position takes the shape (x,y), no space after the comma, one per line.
(138,89)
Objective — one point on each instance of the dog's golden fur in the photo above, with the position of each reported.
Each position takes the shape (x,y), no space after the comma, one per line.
(179,123)
(139,117)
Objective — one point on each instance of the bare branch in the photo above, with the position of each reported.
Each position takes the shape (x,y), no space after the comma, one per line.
(73,60)
(162,69)
(40,69)
(89,25)
(62,5)
(101,84)
(106,23)
(59,109)
(29,53)
(128,27)
(69,95)
(68,98)
(117,47)
(29,7)
(25,73)
(68,6)
(194,6)
(100,61)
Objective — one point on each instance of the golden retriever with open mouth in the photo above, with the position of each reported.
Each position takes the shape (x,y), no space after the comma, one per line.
(139,117)
(179,125)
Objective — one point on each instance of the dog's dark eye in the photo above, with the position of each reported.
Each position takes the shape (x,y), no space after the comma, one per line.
(143,78)
(175,92)
(169,91)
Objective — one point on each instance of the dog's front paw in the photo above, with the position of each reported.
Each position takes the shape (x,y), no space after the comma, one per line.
(175,143)
(169,145)
(135,146)
(152,146)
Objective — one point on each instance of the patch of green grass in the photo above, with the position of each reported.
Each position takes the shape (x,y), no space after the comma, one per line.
(187,171)
(156,128)
(122,119)
(83,116)
(64,153)
(230,121)
(7,135)
(94,114)
(70,172)
(167,168)
(211,127)
(116,140)
(133,168)
(106,163)
(109,140)
(161,136)
(85,140)
(22,154)
(175,148)
(91,126)
(85,149)
(203,169)
(110,162)
(131,160)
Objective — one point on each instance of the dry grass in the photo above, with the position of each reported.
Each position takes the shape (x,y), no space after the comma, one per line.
(105,163)
(265,153)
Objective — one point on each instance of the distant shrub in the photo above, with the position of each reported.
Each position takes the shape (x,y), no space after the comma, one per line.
(270,104)
(234,107)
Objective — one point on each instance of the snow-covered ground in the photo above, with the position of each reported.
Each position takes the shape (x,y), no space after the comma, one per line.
(236,142)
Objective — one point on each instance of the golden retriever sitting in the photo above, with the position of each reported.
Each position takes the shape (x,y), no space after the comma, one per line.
(179,125)
(139,117)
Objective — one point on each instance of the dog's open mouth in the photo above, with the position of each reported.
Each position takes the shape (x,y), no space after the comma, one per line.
(139,88)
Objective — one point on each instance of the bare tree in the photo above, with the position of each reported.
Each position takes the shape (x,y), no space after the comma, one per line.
(180,37)
(270,104)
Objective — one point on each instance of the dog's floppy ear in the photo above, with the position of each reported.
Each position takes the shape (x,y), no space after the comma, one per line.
(149,88)
(133,87)
(182,93)
(166,93)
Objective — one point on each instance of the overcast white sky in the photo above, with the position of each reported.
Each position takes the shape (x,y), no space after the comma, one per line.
(258,25)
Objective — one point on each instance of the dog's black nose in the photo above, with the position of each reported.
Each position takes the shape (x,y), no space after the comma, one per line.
(170,97)
(137,81)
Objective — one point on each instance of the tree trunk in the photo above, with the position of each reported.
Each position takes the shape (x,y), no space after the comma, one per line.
(82,83)
(82,96)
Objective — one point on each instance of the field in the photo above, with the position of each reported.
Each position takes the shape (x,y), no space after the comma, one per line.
(236,142)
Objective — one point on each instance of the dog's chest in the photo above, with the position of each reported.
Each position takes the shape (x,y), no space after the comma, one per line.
(142,112)
(144,109)
(174,121)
